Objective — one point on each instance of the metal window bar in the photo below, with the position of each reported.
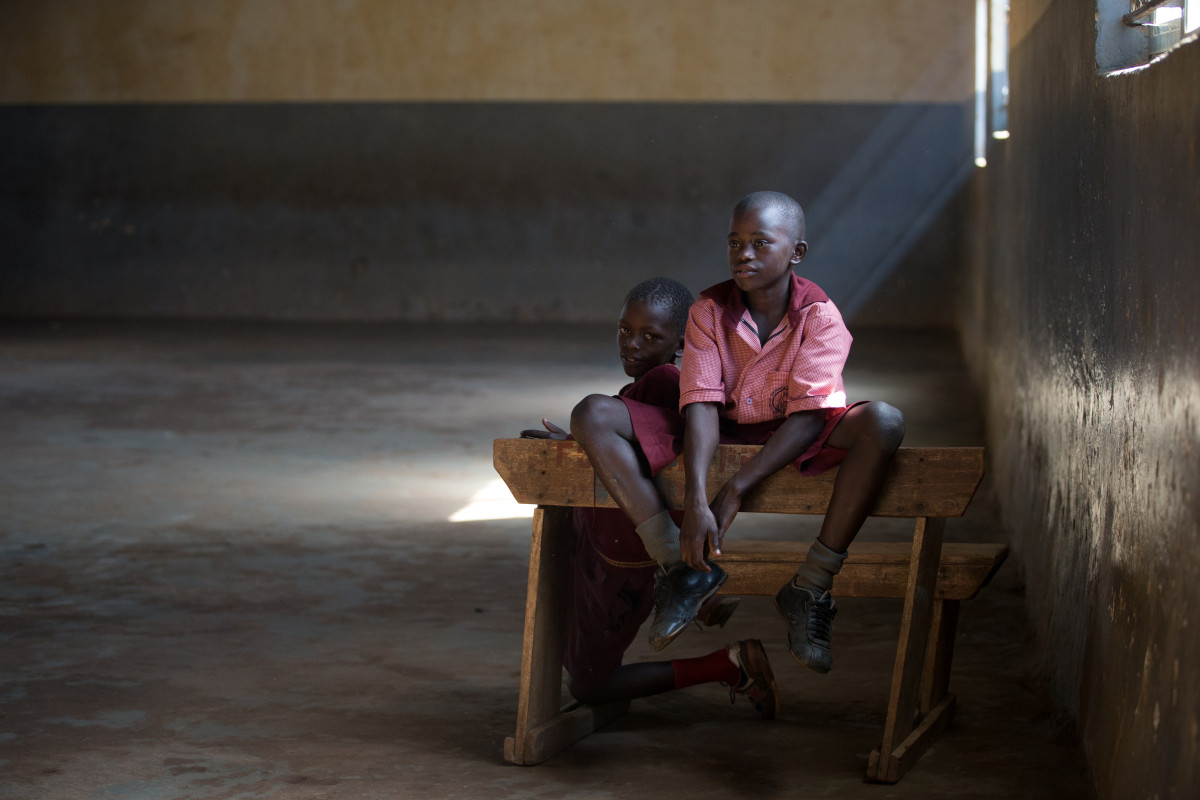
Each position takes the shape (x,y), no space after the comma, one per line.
(1140,9)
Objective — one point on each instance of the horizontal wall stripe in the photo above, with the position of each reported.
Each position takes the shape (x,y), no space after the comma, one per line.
(537,211)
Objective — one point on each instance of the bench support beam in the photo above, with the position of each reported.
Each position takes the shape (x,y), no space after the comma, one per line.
(921,656)
(561,731)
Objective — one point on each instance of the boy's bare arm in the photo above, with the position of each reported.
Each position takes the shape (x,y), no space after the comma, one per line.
(792,438)
(699,444)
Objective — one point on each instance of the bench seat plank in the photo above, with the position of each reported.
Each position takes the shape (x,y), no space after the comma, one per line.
(923,481)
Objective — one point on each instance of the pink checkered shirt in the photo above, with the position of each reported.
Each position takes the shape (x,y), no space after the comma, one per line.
(798,369)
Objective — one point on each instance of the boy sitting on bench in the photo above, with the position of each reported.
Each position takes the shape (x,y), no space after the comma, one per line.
(612,577)
(762,365)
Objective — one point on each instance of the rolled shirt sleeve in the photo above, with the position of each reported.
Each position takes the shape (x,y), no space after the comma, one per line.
(701,374)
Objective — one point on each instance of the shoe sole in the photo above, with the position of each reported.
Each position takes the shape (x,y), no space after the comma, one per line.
(724,612)
(757,658)
(661,644)
(817,668)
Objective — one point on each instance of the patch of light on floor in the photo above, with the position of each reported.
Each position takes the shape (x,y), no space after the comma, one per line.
(493,501)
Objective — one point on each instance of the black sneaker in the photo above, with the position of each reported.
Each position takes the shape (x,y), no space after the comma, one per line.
(678,594)
(810,625)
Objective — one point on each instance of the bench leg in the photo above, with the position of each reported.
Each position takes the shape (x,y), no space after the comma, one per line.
(905,734)
(940,653)
(543,726)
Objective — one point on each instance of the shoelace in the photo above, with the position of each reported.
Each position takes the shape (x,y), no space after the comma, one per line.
(820,623)
(743,686)
(746,687)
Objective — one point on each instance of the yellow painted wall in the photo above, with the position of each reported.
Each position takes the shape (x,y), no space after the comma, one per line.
(130,51)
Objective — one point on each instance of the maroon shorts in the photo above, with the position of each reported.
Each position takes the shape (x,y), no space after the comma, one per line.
(659,432)
(610,598)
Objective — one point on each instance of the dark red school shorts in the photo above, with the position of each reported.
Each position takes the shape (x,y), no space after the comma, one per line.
(610,597)
(659,433)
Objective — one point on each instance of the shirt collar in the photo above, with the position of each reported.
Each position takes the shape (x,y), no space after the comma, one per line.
(729,298)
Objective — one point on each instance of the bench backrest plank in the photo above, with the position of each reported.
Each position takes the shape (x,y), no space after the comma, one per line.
(873,569)
(923,481)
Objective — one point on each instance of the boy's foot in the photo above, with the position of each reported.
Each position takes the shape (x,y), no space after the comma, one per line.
(678,594)
(717,610)
(758,682)
(810,625)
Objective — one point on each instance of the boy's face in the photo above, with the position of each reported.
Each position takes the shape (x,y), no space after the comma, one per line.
(646,338)
(763,248)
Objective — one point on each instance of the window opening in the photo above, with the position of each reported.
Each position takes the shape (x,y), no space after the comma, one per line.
(1132,34)
(981,60)
(991,74)
(999,37)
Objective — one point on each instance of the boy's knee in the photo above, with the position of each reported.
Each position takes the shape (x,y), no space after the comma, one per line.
(590,414)
(888,425)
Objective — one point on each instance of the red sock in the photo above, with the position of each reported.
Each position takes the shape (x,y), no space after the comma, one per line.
(712,668)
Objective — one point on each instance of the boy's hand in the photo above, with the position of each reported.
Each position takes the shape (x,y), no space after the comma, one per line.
(725,507)
(699,526)
(552,432)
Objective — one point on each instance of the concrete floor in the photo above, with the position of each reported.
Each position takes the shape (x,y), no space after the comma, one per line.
(229,571)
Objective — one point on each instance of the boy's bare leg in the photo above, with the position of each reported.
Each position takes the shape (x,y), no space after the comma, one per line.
(628,682)
(742,666)
(602,426)
(871,433)
(604,430)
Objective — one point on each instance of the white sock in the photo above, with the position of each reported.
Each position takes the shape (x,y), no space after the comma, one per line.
(818,570)
(660,535)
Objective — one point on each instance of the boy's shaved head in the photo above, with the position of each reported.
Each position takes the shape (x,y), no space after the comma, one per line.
(790,211)
(669,295)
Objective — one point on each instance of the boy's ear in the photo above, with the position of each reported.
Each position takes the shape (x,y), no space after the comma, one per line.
(800,252)
(679,349)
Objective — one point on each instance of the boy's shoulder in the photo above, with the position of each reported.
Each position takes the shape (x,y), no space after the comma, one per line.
(658,387)
(662,372)
(723,294)
(727,297)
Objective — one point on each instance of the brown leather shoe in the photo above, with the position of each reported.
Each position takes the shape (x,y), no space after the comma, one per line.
(758,682)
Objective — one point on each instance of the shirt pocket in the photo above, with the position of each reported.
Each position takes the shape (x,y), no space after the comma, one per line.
(775,394)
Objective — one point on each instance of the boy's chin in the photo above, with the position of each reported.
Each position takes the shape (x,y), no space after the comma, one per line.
(759,281)
(747,282)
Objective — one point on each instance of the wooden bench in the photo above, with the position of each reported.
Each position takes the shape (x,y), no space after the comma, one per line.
(927,484)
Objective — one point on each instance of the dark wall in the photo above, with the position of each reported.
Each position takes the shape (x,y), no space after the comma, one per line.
(424,211)
(1082,323)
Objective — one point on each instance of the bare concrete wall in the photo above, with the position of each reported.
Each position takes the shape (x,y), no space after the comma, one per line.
(123,51)
(1082,324)
(506,159)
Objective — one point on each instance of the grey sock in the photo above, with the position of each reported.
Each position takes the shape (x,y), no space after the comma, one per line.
(660,535)
(817,572)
